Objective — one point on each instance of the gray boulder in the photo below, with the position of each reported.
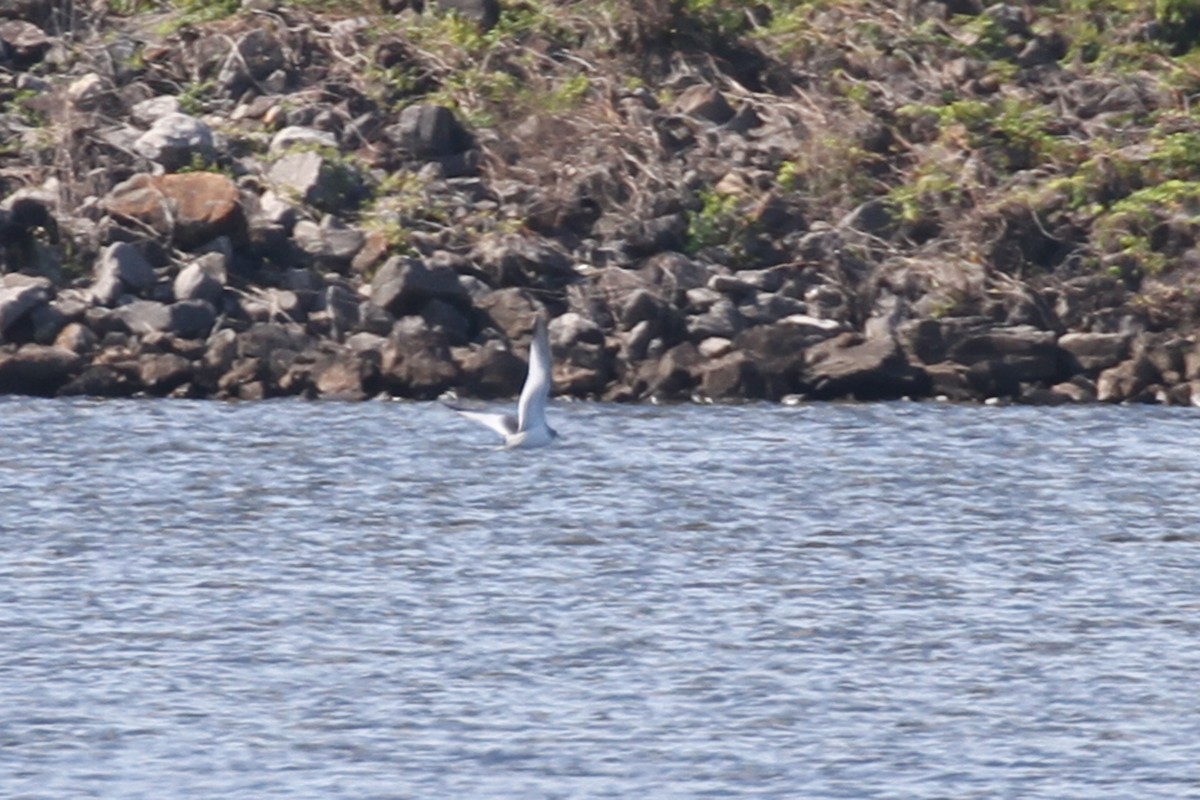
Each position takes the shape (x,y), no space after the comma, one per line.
(256,55)
(733,376)
(103,380)
(404,285)
(1126,381)
(417,362)
(848,366)
(721,319)
(1092,353)
(121,269)
(25,41)
(1011,356)
(36,369)
(583,360)
(19,297)
(144,316)
(510,311)
(188,319)
(192,319)
(333,244)
(513,260)
(704,102)
(202,279)
(300,135)
(147,112)
(77,338)
(427,131)
(340,375)
(675,374)
(264,338)
(489,371)
(175,140)
(161,373)
(324,183)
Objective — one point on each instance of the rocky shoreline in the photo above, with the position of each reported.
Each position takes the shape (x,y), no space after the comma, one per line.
(289,203)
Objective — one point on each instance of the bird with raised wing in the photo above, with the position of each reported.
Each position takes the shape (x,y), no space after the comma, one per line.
(528,428)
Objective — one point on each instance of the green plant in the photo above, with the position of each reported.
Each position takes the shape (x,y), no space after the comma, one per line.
(194,97)
(719,221)
(568,95)
(1180,21)
(1178,155)
(208,10)
(22,103)
(1130,224)
(922,198)
(789,176)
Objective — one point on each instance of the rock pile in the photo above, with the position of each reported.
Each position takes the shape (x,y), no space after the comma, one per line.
(314,228)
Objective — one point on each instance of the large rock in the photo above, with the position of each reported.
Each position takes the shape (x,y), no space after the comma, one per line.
(27,210)
(427,131)
(404,285)
(256,55)
(144,316)
(848,366)
(147,112)
(204,205)
(302,136)
(341,375)
(333,244)
(675,374)
(778,353)
(512,260)
(192,319)
(490,371)
(19,297)
(103,380)
(720,319)
(583,363)
(202,279)
(25,41)
(733,376)
(121,269)
(176,140)
(1015,355)
(511,311)
(928,340)
(188,319)
(264,338)
(705,102)
(140,203)
(417,362)
(950,381)
(160,373)
(660,319)
(37,369)
(1126,381)
(1094,352)
(328,184)
(77,338)
(192,208)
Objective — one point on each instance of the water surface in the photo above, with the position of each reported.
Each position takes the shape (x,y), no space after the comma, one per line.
(300,600)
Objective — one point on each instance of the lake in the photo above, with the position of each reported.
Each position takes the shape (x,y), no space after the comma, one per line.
(302,600)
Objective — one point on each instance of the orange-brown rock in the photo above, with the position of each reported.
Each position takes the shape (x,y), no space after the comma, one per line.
(189,208)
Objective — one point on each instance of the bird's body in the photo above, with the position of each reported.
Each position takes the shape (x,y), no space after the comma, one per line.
(528,428)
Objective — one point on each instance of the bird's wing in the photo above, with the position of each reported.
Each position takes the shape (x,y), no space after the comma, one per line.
(503,424)
(531,410)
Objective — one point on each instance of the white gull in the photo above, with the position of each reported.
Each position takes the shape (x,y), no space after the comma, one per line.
(528,428)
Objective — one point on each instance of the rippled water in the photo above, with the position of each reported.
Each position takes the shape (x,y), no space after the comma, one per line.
(368,601)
